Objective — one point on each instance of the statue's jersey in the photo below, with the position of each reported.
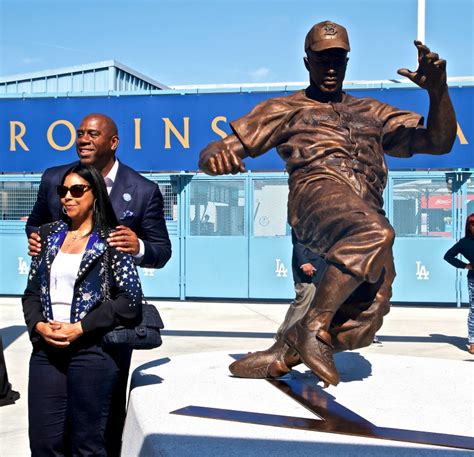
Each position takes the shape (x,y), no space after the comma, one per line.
(306,133)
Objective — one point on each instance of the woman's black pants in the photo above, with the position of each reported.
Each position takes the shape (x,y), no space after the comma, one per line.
(70,395)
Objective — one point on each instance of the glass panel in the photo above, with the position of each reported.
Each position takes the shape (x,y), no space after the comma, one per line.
(270,208)
(168,189)
(422,207)
(17,199)
(470,196)
(170,199)
(217,208)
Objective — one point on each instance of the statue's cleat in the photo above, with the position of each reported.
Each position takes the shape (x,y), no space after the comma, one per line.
(315,351)
(274,362)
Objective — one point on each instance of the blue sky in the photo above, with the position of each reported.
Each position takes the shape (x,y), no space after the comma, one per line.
(227,41)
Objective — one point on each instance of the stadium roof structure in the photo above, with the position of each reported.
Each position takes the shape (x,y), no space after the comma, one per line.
(107,75)
(114,78)
(362,84)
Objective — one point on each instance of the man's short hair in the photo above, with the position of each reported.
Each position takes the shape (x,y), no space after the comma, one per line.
(108,119)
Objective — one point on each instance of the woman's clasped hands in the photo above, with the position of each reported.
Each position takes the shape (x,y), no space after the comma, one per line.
(59,334)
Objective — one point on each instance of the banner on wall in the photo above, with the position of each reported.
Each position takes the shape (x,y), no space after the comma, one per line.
(440,201)
(165,132)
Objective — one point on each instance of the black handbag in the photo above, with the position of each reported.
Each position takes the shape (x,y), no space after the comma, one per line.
(145,335)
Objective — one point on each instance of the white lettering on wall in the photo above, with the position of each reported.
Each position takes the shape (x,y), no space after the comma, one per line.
(23,267)
(280,270)
(421,272)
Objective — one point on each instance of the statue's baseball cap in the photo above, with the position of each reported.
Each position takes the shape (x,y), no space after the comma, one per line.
(326,35)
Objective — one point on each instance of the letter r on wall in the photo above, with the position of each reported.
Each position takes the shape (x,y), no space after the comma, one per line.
(17,137)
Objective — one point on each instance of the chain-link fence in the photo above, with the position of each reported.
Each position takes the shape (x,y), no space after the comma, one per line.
(17,199)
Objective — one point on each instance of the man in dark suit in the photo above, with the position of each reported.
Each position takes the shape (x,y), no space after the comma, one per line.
(138,205)
(308,268)
(137,201)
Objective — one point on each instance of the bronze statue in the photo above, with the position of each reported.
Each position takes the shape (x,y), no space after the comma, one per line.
(333,145)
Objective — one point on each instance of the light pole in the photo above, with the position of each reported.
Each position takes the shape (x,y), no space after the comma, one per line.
(420,35)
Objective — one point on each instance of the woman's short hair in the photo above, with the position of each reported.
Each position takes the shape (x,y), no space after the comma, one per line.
(104,215)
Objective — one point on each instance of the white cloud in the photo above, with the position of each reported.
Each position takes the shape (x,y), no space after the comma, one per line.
(30,60)
(57,46)
(260,73)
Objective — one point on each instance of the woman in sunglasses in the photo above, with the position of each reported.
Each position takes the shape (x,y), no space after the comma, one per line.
(465,246)
(67,310)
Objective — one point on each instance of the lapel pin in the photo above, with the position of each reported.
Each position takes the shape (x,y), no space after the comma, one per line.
(126,196)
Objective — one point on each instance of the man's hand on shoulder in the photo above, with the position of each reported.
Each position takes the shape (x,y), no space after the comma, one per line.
(34,244)
(124,239)
(431,71)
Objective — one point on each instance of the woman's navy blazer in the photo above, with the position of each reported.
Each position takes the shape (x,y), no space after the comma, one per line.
(88,304)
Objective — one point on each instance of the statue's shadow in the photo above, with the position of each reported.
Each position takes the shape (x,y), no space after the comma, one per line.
(352,366)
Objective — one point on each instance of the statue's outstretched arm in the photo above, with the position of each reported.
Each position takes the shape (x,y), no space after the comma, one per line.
(440,132)
(223,157)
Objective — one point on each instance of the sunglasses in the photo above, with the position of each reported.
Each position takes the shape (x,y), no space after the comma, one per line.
(76,190)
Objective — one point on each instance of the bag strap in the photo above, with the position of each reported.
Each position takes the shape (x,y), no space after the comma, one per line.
(44,231)
(105,269)
(104,272)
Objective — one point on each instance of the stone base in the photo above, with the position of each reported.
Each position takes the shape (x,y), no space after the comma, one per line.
(409,393)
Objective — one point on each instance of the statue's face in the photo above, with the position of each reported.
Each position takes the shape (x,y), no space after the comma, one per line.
(327,69)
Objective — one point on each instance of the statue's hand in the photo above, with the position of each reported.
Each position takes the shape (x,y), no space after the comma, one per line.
(431,71)
(219,159)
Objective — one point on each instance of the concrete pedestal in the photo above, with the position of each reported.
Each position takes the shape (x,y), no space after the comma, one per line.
(413,393)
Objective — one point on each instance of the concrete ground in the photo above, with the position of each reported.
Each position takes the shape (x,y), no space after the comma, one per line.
(215,326)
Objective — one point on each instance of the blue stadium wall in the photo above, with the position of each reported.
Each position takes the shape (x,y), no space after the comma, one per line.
(230,236)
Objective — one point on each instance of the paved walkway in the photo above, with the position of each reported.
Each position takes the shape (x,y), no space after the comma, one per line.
(210,326)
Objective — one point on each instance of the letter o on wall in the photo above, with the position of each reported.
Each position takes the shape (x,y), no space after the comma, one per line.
(51,141)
